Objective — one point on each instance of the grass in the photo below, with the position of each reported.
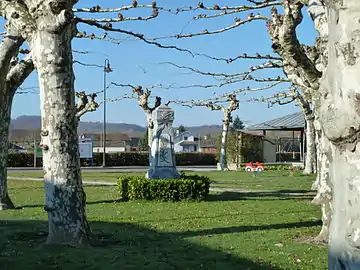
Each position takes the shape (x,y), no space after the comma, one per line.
(268,180)
(228,231)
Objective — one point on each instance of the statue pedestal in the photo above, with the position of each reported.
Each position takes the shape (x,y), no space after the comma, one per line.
(162,159)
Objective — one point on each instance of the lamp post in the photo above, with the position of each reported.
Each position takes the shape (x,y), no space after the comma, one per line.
(107,69)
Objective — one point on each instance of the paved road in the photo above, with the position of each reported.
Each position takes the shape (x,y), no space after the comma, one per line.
(121,169)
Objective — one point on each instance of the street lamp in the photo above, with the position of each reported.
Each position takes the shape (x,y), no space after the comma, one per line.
(107,69)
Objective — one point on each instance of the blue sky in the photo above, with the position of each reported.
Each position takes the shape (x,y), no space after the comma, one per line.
(136,62)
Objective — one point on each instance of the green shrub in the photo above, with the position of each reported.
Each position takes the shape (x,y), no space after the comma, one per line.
(280,167)
(23,160)
(119,159)
(195,159)
(192,187)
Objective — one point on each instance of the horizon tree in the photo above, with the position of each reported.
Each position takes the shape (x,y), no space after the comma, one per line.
(237,124)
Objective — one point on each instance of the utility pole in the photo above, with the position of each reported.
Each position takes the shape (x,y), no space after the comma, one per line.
(107,69)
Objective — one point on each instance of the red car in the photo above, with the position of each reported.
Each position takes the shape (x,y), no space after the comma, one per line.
(254,166)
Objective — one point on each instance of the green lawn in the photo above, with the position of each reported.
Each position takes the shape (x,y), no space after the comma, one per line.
(228,231)
(268,180)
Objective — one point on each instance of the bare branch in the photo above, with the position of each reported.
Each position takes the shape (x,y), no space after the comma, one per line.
(104,37)
(86,103)
(87,64)
(245,74)
(143,100)
(214,105)
(246,56)
(282,30)
(230,10)
(121,18)
(109,27)
(238,22)
(133,96)
(19,72)
(134,5)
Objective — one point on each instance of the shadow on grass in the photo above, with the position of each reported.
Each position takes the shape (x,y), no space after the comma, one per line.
(239,229)
(266,196)
(120,246)
(88,203)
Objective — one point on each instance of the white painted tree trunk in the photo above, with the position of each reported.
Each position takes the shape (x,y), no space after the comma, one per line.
(65,197)
(6,98)
(310,146)
(226,123)
(339,112)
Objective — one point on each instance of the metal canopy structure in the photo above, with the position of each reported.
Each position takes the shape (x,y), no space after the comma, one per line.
(295,122)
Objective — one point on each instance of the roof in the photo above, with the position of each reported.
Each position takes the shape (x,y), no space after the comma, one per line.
(252,132)
(182,133)
(209,142)
(293,121)
(112,139)
(208,146)
(15,147)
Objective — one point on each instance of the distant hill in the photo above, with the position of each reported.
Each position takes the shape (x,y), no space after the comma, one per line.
(33,122)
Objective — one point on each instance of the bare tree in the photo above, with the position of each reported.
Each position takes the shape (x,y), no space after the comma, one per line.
(143,101)
(12,74)
(143,96)
(217,104)
(49,27)
(302,65)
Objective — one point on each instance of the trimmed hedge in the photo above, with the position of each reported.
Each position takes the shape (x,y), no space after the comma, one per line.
(193,188)
(119,159)
(271,166)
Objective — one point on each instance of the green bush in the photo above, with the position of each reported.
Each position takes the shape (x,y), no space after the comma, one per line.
(192,187)
(195,159)
(23,160)
(119,159)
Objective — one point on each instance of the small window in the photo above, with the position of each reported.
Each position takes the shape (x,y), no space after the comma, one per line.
(185,138)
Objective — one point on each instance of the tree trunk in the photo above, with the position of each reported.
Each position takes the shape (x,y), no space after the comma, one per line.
(310,146)
(316,183)
(324,189)
(225,130)
(150,127)
(65,197)
(339,110)
(6,98)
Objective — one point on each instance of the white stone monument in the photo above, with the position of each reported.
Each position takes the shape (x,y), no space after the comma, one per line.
(162,159)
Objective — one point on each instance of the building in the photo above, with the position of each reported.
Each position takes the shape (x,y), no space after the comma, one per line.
(283,138)
(115,142)
(16,148)
(186,142)
(208,144)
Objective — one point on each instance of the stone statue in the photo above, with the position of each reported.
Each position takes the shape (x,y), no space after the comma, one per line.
(162,159)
